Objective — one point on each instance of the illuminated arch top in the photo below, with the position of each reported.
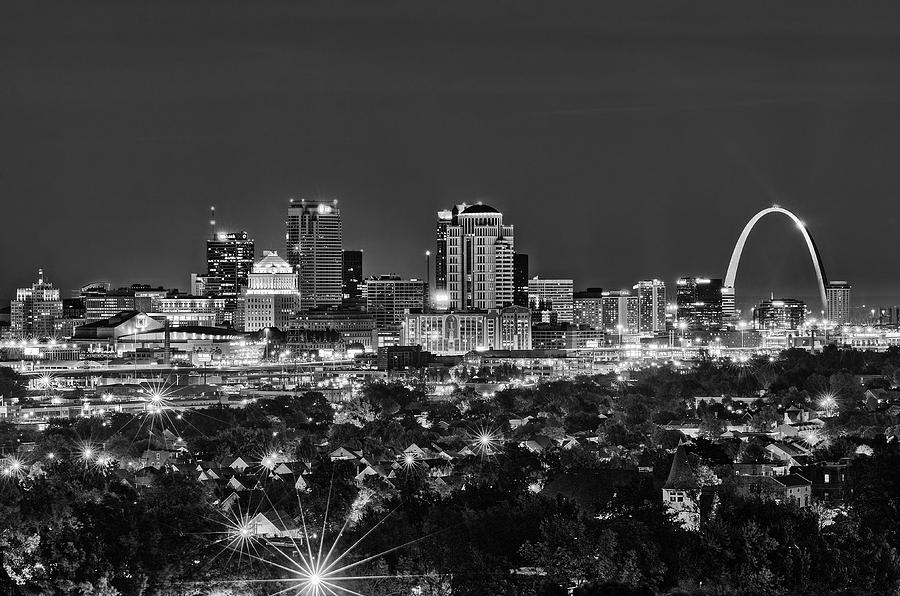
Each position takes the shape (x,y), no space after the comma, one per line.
(810,244)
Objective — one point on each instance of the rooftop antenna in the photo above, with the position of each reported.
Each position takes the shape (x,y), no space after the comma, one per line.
(212,220)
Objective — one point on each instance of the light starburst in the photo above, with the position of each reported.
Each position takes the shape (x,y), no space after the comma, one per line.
(486,440)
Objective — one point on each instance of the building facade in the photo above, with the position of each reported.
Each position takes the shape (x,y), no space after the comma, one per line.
(837,294)
(37,311)
(354,326)
(352,279)
(651,295)
(229,259)
(272,295)
(314,239)
(587,308)
(460,332)
(620,312)
(480,251)
(779,314)
(520,279)
(556,295)
(389,298)
(699,303)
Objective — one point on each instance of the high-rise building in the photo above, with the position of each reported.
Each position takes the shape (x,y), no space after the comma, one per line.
(389,298)
(272,294)
(620,312)
(444,221)
(315,249)
(699,302)
(351,294)
(480,253)
(520,279)
(552,294)
(781,314)
(837,294)
(229,259)
(651,295)
(587,308)
(37,311)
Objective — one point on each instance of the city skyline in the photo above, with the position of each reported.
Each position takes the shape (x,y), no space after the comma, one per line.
(139,143)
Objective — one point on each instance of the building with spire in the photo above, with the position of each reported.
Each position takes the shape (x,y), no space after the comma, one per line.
(37,311)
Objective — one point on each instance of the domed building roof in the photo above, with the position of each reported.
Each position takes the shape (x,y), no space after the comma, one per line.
(271,263)
(479,208)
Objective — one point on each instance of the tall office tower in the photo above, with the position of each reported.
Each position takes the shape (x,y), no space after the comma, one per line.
(552,294)
(587,308)
(480,253)
(272,294)
(651,295)
(837,294)
(315,238)
(37,311)
(444,220)
(389,298)
(699,302)
(352,267)
(520,279)
(781,313)
(229,259)
(615,310)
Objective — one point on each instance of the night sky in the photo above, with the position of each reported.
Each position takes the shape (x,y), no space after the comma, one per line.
(623,140)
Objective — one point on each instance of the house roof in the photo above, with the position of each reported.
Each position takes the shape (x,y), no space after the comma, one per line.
(681,475)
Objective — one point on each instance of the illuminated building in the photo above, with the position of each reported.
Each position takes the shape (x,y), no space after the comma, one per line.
(352,279)
(587,308)
(272,295)
(552,294)
(779,314)
(229,258)
(460,332)
(37,311)
(315,248)
(444,220)
(837,302)
(699,302)
(389,298)
(520,279)
(888,316)
(565,336)
(480,253)
(185,310)
(354,326)
(651,295)
(620,312)
(101,304)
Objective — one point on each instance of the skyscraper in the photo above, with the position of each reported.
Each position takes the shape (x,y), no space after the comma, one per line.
(620,312)
(837,295)
(587,308)
(314,248)
(352,267)
(229,258)
(480,253)
(37,311)
(444,220)
(552,294)
(520,279)
(651,295)
(699,302)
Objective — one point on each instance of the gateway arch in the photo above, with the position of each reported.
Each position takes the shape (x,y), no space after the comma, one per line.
(810,244)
